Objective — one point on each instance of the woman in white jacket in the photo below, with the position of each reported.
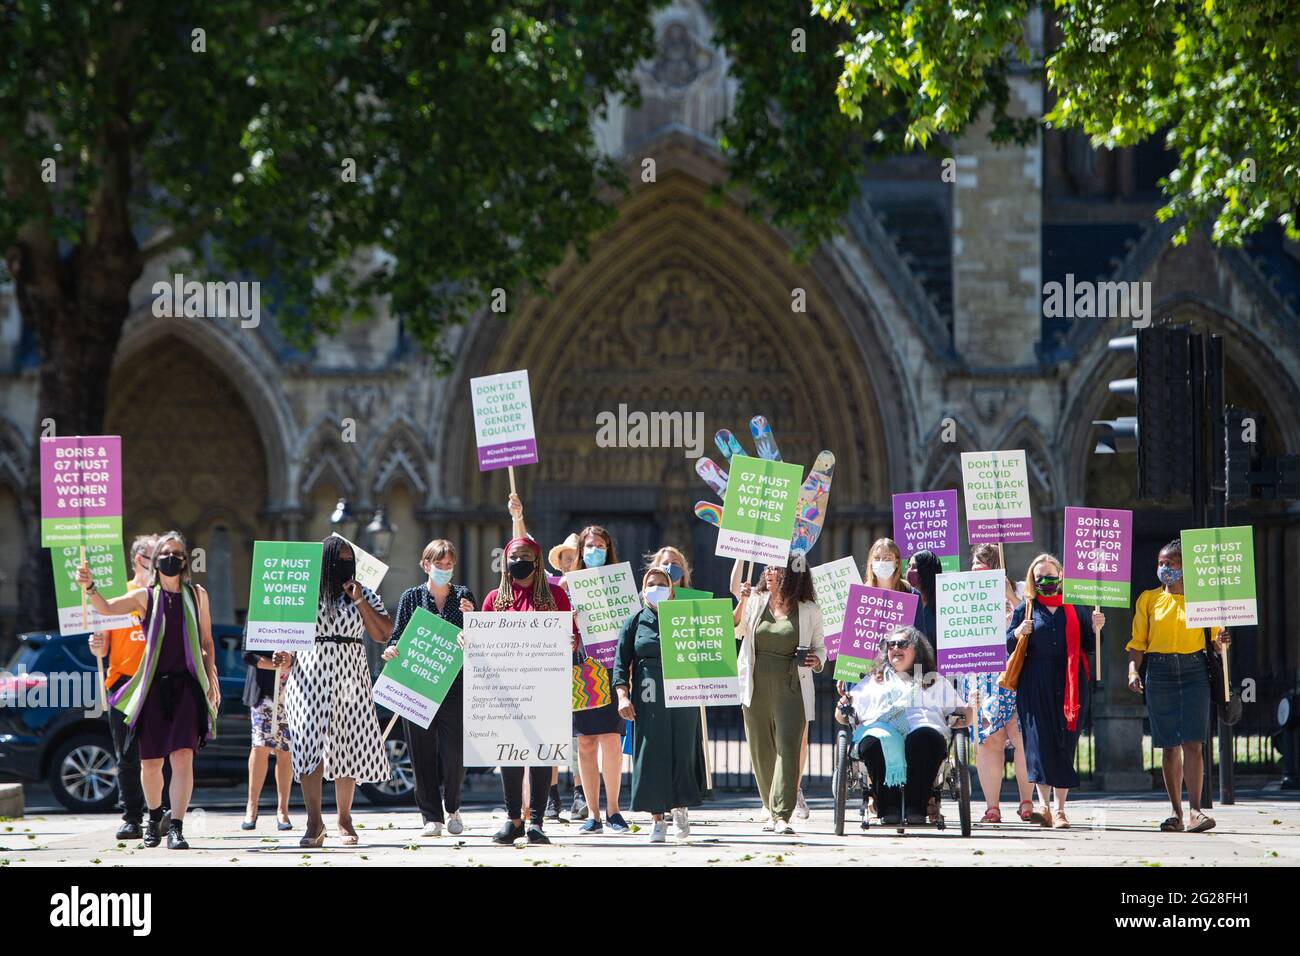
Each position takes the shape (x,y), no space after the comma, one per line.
(782,644)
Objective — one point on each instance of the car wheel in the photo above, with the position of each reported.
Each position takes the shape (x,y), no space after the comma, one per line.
(83,773)
(400,787)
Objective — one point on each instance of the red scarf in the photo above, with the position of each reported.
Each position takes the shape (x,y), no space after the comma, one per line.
(1073,652)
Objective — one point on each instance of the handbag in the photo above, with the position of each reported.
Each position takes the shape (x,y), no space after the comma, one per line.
(1010,678)
(590,685)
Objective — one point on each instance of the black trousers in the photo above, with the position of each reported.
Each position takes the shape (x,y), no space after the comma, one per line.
(539,784)
(437,755)
(130,792)
(925,748)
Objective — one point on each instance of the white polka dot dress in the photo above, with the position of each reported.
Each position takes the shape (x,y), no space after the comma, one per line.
(328,700)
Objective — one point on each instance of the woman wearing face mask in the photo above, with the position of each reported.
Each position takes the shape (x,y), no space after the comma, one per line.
(335,729)
(436,752)
(902,729)
(1177,686)
(997,716)
(781,640)
(171,702)
(524,587)
(674,562)
(667,754)
(599,731)
(1055,684)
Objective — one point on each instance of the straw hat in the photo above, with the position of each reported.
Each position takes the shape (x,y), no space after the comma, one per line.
(570,544)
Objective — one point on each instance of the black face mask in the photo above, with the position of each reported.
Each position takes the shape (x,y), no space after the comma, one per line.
(519,570)
(346,571)
(170,565)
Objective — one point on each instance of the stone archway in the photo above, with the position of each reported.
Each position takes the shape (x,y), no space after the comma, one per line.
(193,460)
(683,306)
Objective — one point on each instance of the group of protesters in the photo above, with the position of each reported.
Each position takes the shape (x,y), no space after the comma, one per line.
(321,723)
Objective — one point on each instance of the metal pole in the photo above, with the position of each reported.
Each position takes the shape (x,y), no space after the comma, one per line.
(1201,467)
(1219,518)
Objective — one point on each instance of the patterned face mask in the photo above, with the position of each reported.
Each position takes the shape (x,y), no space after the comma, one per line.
(1048,585)
(1168,575)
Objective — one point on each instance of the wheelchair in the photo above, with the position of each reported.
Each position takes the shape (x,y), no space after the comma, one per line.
(953,779)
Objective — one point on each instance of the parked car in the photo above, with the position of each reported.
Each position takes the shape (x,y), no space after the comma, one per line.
(73,753)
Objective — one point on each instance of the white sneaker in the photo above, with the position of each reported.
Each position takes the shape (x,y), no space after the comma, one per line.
(801,810)
(766,816)
(432,829)
(455,825)
(659,831)
(783,828)
(681,822)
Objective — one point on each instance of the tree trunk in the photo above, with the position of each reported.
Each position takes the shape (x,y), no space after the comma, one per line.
(77,305)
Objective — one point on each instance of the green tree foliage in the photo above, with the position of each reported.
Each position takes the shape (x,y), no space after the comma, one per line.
(1218,79)
(468,122)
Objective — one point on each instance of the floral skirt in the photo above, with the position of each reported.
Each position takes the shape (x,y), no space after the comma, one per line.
(997,704)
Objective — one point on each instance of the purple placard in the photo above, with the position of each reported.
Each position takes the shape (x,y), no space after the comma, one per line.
(85,473)
(999,530)
(1098,556)
(870,614)
(523,452)
(926,520)
(1087,552)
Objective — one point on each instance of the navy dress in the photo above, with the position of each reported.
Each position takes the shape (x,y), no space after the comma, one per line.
(1040,697)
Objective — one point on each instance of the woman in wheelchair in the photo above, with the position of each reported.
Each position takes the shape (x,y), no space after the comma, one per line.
(900,713)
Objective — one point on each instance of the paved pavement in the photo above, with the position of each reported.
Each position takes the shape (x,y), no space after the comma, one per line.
(1263,829)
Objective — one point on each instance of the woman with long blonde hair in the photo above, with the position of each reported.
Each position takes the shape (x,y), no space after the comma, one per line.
(1052,696)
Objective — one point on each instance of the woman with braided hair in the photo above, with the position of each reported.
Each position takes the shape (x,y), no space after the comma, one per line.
(335,729)
(524,587)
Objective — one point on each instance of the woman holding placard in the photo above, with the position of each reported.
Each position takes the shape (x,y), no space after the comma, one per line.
(171,701)
(782,644)
(1177,685)
(667,753)
(1052,696)
(436,751)
(524,587)
(599,730)
(328,698)
(997,716)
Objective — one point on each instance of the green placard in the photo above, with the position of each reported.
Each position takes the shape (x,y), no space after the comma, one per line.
(283,595)
(415,683)
(1219,577)
(108,568)
(690,594)
(759,510)
(698,648)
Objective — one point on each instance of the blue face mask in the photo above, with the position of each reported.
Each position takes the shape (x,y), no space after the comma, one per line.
(674,573)
(593,557)
(440,577)
(656,593)
(1169,575)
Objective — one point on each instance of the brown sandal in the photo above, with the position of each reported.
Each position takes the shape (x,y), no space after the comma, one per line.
(1042,817)
(1172,825)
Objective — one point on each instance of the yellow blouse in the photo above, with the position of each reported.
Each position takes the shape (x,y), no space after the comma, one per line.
(1160,625)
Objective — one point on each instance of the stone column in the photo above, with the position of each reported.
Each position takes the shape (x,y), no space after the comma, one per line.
(997,240)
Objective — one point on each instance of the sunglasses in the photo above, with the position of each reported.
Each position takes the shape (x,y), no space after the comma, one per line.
(897,643)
